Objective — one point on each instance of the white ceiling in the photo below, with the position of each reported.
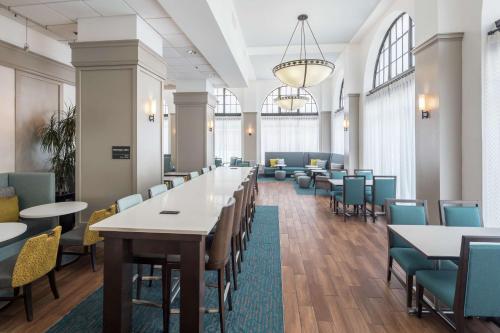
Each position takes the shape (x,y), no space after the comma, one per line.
(60,16)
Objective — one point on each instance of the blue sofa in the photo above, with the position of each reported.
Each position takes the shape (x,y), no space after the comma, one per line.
(296,161)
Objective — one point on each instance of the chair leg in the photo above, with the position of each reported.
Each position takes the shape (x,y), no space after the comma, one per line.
(59,257)
(344,207)
(28,304)
(240,242)
(409,290)
(227,270)
(374,216)
(389,269)
(364,212)
(220,290)
(233,262)
(16,291)
(139,282)
(52,281)
(420,295)
(151,273)
(92,256)
(166,277)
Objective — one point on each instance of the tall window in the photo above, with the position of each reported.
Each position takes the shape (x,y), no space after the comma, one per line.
(389,119)
(166,129)
(284,130)
(227,127)
(395,57)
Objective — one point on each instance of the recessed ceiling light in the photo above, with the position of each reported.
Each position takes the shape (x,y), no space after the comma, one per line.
(191,51)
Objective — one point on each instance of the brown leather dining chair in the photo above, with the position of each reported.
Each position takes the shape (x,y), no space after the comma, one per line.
(244,231)
(216,259)
(235,237)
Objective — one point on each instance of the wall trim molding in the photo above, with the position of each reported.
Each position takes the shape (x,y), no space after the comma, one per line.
(438,37)
(15,57)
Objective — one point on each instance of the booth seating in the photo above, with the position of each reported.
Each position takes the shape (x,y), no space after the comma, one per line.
(297,161)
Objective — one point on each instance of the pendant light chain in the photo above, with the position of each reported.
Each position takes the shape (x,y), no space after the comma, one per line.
(314,37)
(291,37)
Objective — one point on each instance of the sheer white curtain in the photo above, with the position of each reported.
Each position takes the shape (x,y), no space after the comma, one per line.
(289,133)
(389,134)
(166,133)
(338,133)
(227,132)
(491,133)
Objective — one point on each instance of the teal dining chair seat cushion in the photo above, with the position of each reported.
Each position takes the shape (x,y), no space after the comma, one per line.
(462,216)
(410,260)
(405,215)
(483,274)
(448,265)
(439,283)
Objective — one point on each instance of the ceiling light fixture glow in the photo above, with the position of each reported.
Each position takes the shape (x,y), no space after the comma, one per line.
(291,102)
(303,72)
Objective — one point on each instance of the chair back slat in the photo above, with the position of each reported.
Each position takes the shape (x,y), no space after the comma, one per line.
(157,190)
(354,190)
(455,213)
(238,196)
(128,202)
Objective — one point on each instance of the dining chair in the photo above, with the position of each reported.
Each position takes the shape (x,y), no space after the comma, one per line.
(384,187)
(218,162)
(457,213)
(368,173)
(177,181)
(204,171)
(407,212)
(473,289)
(82,236)
(157,190)
(128,202)
(244,231)
(216,259)
(244,164)
(235,237)
(212,167)
(36,259)
(337,189)
(194,174)
(256,168)
(353,193)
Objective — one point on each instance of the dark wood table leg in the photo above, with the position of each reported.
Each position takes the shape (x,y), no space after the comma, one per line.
(192,285)
(117,309)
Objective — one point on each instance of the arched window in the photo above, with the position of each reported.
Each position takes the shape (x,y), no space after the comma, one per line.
(341,96)
(395,57)
(284,130)
(270,108)
(227,126)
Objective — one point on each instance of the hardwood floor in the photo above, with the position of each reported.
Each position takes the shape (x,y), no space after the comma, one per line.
(333,276)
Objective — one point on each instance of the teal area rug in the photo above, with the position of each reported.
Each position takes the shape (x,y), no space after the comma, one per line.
(257,304)
(297,188)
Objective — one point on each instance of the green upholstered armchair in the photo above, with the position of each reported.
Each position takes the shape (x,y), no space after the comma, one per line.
(32,189)
(473,290)
(408,212)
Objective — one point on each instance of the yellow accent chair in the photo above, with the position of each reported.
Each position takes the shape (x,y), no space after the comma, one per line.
(36,259)
(82,236)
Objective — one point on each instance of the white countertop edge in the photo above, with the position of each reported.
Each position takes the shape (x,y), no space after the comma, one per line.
(151,231)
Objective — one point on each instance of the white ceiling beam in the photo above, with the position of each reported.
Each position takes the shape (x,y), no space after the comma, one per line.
(295,49)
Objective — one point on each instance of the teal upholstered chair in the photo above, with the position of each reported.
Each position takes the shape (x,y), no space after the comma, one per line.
(368,173)
(454,213)
(177,181)
(194,174)
(157,190)
(128,202)
(353,193)
(384,187)
(233,161)
(218,162)
(337,189)
(407,212)
(204,171)
(243,163)
(473,290)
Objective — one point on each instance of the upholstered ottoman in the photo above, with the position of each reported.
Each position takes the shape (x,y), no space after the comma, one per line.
(280,174)
(304,181)
(298,174)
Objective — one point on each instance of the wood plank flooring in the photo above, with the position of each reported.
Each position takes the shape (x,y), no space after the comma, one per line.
(333,276)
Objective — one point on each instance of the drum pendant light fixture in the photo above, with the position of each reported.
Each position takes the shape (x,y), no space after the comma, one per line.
(303,72)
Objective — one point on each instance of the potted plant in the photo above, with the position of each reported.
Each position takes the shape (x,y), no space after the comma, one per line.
(57,138)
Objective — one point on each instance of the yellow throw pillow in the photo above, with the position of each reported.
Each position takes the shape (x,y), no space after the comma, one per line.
(273,162)
(9,209)
(314,162)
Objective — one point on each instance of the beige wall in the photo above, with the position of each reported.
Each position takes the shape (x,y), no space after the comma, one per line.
(249,141)
(351,137)
(325,123)
(8,119)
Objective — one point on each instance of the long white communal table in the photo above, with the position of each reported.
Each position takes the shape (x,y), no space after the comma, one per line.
(439,242)
(143,229)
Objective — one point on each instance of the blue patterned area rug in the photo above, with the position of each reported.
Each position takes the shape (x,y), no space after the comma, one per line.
(257,304)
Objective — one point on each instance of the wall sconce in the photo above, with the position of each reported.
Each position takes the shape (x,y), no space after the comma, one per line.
(210,125)
(250,131)
(423,105)
(150,109)
(346,125)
